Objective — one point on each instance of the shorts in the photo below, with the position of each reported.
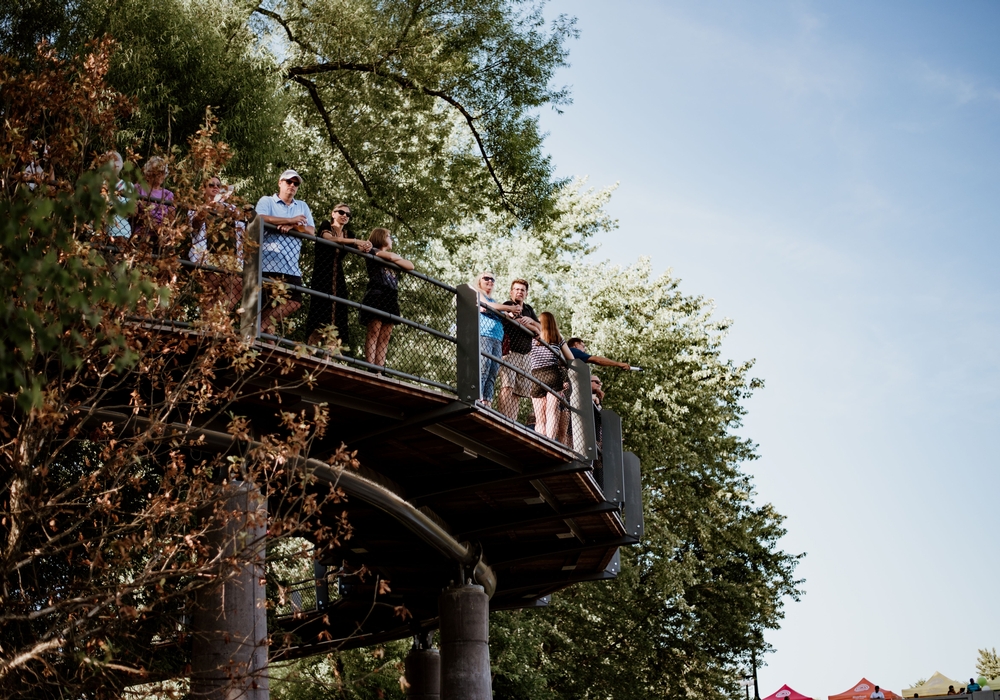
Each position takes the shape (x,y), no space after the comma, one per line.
(268,293)
(509,378)
(553,376)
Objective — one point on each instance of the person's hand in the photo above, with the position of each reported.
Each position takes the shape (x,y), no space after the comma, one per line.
(366,246)
(624,365)
(299,220)
(284,228)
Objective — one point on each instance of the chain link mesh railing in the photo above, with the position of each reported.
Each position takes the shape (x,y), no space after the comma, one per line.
(543,389)
(300,291)
(206,245)
(357,308)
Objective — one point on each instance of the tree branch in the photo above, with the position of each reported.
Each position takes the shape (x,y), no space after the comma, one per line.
(339,146)
(296,72)
(288,30)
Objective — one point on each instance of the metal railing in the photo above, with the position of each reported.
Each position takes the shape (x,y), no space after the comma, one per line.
(297,291)
(435,338)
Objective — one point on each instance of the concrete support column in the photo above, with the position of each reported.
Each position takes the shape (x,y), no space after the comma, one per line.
(423,670)
(465,654)
(229,625)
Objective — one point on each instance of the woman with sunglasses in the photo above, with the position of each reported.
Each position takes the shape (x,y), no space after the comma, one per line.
(328,278)
(490,331)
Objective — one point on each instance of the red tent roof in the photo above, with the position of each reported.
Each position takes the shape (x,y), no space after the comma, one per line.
(787,693)
(862,690)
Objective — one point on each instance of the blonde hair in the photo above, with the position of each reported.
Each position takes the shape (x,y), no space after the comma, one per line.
(477,278)
(155,167)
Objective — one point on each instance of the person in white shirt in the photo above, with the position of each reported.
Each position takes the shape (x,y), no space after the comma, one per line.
(279,252)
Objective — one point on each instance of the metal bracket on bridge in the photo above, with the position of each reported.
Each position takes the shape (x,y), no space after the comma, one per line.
(467,337)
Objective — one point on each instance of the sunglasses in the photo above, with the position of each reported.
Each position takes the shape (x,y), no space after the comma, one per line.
(215,184)
(293,182)
(487,279)
(342,213)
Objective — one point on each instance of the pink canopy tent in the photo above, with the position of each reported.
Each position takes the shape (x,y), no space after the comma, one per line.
(786,693)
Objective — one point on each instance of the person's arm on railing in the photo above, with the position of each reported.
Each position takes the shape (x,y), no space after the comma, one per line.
(605,362)
(509,311)
(338,237)
(285,224)
(532,326)
(395,259)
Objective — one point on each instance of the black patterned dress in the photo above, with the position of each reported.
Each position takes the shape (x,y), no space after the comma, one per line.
(328,278)
(382,292)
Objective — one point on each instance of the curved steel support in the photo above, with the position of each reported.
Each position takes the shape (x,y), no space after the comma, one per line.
(410,517)
(468,555)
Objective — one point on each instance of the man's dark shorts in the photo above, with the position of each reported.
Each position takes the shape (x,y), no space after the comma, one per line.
(268,293)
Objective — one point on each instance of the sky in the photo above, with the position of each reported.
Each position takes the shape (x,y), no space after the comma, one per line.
(828,174)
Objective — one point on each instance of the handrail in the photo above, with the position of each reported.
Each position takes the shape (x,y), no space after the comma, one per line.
(436,337)
(354,251)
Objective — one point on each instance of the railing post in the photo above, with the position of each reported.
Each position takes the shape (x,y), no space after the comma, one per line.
(633,496)
(322,586)
(582,403)
(250,306)
(611,451)
(467,360)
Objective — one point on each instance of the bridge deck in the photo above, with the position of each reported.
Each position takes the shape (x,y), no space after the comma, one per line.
(533,507)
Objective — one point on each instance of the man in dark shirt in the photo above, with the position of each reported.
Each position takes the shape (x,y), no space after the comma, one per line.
(579,350)
(517,346)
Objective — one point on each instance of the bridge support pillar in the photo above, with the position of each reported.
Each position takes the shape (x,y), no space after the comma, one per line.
(229,625)
(423,669)
(465,654)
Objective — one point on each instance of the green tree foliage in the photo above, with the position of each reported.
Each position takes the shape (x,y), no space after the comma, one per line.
(424,111)
(696,596)
(420,114)
(107,494)
(174,59)
(372,673)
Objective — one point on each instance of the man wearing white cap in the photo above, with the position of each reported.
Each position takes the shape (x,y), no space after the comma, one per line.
(279,253)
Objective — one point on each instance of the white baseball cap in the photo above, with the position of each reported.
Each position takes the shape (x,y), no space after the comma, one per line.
(289,174)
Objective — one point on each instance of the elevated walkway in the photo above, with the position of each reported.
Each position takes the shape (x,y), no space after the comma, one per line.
(449,490)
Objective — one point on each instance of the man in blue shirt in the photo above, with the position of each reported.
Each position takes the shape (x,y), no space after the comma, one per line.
(579,350)
(279,252)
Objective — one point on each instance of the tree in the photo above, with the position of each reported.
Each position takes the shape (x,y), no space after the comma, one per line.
(174,59)
(423,111)
(421,114)
(988,663)
(693,599)
(109,490)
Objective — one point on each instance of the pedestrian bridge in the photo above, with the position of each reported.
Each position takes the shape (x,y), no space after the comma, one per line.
(449,491)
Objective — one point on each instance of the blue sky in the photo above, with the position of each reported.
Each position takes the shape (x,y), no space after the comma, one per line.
(828,174)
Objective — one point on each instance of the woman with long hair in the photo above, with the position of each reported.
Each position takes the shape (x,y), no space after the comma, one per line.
(382,294)
(549,370)
(328,277)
